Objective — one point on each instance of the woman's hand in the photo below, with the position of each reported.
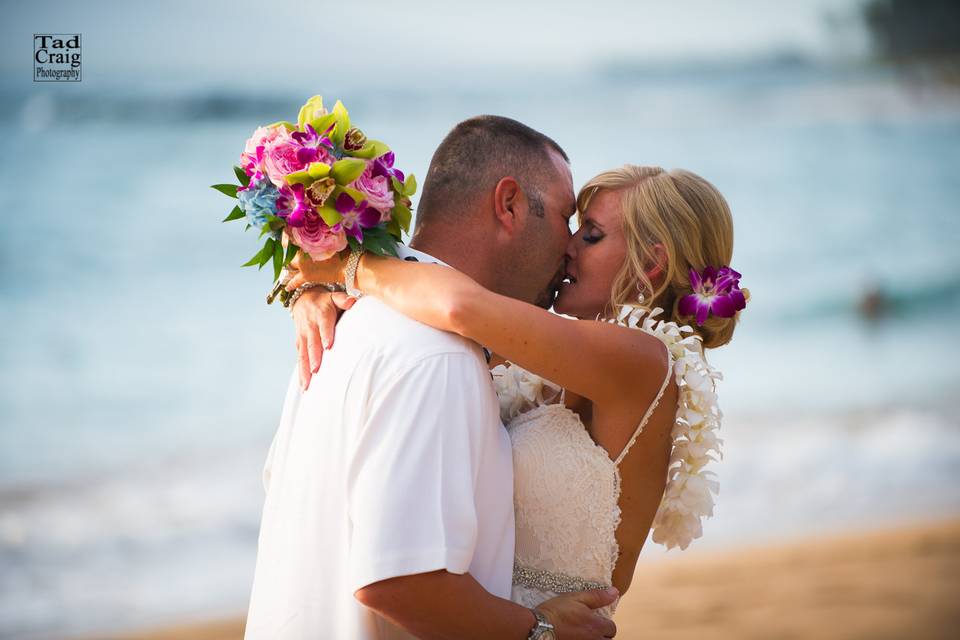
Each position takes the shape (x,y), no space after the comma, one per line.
(315,316)
(305,269)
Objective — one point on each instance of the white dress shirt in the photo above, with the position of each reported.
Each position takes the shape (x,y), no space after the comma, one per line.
(394,462)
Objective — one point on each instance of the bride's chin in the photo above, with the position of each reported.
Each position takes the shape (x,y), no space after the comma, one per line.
(566,304)
(563,302)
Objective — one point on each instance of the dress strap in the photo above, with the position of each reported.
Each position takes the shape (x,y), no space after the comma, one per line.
(650,410)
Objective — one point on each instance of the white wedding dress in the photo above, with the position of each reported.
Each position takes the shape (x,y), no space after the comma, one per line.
(567,488)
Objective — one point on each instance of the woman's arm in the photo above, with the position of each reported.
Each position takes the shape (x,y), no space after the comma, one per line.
(604,362)
(601,361)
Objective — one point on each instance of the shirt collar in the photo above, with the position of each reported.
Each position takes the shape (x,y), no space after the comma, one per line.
(409,253)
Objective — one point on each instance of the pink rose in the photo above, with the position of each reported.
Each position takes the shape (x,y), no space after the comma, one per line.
(261,137)
(377,191)
(280,158)
(316,238)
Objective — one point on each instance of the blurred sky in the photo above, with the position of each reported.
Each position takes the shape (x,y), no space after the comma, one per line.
(257,39)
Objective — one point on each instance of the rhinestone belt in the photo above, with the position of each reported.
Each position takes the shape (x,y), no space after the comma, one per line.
(548,581)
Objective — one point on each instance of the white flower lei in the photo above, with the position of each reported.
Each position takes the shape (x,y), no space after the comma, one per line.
(688,496)
(520,391)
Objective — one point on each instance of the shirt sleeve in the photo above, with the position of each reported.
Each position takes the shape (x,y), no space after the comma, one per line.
(414,468)
(290,403)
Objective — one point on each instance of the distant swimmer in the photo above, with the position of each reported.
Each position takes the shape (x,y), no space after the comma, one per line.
(874,303)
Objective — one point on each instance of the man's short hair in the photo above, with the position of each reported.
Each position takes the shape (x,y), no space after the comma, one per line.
(479,152)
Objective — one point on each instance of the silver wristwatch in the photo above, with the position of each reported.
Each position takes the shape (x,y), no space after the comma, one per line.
(543,630)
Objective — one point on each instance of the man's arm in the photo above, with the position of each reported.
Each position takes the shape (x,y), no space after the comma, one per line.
(441,605)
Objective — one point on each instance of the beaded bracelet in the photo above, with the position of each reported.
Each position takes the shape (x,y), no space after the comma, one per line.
(350,275)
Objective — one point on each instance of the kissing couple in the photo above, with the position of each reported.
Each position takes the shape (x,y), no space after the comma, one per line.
(462,463)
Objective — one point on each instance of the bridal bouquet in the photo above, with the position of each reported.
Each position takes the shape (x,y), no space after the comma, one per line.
(324,183)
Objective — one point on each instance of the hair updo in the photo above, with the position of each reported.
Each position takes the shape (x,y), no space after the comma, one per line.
(689,217)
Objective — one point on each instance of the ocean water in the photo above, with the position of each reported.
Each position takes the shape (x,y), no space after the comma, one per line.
(141,374)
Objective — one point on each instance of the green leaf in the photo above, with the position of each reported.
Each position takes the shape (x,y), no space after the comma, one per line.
(397,185)
(347,170)
(291,253)
(372,149)
(254,260)
(402,214)
(226,189)
(235,214)
(374,245)
(267,252)
(353,243)
(277,259)
(379,241)
(391,248)
(394,230)
(410,186)
(265,230)
(241,176)
(382,245)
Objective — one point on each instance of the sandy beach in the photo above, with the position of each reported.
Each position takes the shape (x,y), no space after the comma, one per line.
(896,583)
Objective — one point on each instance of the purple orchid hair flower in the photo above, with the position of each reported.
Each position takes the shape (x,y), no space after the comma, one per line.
(715,292)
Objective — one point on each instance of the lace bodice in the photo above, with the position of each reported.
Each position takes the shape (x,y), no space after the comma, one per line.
(567,488)
(565,499)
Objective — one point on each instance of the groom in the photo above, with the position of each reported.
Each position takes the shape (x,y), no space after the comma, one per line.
(389,506)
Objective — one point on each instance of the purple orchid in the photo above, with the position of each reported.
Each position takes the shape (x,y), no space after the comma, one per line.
(292,205)
(715,291)
(383,166)
(252,165)
(356,216)
(313,146)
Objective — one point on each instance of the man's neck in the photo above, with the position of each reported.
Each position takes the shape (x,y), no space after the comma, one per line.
(472,263)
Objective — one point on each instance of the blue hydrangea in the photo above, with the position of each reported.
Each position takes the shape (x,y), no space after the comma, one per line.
(259,202)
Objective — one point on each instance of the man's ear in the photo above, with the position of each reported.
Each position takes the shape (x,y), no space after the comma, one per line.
(508,198)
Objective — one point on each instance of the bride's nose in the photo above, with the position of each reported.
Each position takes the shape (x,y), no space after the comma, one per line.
(571,252)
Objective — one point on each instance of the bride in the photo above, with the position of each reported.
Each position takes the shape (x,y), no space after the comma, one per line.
(612,418)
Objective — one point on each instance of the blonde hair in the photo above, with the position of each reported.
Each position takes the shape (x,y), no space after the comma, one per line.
(689,217)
